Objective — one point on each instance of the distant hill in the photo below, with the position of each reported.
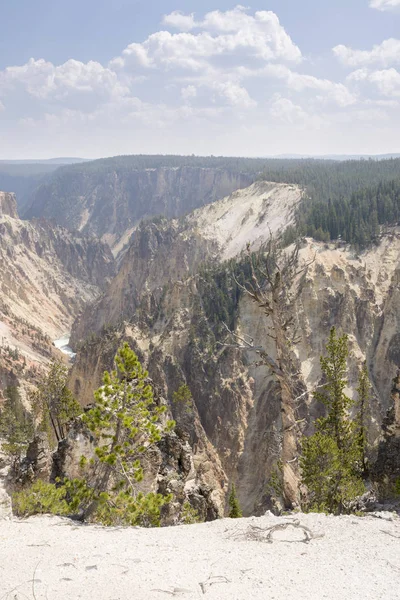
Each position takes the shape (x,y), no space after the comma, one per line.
(44,161)
(340,157)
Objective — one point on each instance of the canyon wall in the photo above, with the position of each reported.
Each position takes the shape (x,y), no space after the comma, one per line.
(110,202)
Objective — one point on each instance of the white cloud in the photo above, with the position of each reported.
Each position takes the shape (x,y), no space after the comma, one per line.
(384,54)
(285,110)
(336,92)
(234,35)
(235,94)
(328,90)
(180,21)
(189,92)
(385,4)
(228,81)
(387,81)
(47,82)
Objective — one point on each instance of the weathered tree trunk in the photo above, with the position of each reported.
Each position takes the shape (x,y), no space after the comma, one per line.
(290,429)
(269,288)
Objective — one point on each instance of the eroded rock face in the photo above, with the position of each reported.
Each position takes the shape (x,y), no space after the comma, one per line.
(47,276)
(386,470)
(37,463)
(236,409)
(111,203)
(8,205)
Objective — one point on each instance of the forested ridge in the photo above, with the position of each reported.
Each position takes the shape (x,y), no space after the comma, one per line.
(348,199)
(356,218)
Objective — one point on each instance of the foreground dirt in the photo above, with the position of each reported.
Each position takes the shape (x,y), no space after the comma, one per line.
(305,557)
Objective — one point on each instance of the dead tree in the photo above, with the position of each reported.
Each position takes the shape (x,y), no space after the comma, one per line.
(274,286)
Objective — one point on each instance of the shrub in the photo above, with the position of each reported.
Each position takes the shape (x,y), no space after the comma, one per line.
(40,498)
(234,506)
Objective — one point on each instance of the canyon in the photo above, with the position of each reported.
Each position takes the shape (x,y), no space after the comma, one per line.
(172,295)
(47,276)
(163,303)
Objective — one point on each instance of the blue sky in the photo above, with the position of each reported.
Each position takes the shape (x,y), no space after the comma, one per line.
(109,77)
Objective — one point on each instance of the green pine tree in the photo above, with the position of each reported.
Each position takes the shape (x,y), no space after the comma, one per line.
(234,506)
(53,403)
(125,421)
(330,458)
(16,427)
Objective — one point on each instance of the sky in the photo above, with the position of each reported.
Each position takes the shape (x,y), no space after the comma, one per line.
(93,78)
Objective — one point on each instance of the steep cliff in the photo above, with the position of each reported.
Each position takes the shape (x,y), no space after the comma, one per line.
(47,276)
(110,200)
(171,309)
(8,205)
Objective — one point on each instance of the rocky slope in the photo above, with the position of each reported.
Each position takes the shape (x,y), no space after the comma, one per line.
(170,309)
(47,276)
(8,205)
(109,201)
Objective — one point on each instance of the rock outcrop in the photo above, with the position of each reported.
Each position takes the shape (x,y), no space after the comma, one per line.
(386,470)
(8,205)
(37,464)
(168,469)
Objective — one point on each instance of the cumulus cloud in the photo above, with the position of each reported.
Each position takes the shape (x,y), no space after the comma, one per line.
(324,89)
(234,35)
(87,84)
(189,92)
(196,80)
(180,21)
(387,81)
(286,110)
(235,94)
(384,54)
(385,4)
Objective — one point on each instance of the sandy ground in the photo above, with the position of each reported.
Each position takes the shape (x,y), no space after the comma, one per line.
(47,558)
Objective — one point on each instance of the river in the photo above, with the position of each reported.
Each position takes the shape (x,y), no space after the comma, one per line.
(62,344)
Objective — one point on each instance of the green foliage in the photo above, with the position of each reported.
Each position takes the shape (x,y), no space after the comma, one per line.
(330,461)
(329,474)
(53,402)
(334,369)
(40,498)
(183,398)
(125,421)
(356,218)
(275,483)
(189,515)
(65,498)
(143,510)
(16,426)
(234,506)
(220,293)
